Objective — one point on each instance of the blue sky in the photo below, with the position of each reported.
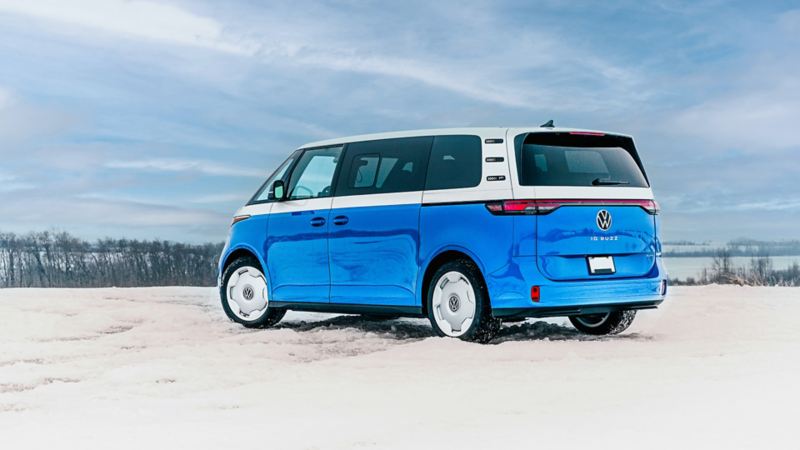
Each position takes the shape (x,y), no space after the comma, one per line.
(158,119)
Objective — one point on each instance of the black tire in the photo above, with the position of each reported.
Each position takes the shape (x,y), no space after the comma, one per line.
(270,318)
(614,322)
(484,327)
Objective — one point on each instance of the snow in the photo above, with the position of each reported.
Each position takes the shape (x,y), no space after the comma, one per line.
(715,367)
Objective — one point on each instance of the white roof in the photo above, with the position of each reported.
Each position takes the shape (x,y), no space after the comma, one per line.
(497,132)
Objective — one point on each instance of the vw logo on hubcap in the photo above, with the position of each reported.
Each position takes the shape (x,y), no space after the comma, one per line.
(603,220)
(248,293)
(453,302)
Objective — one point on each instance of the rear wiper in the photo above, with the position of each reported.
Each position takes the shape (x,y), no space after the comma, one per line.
(608,182)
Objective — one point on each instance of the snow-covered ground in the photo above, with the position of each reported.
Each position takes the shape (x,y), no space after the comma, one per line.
(715,367)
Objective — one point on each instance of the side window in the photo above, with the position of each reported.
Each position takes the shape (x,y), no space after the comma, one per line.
(265,192)
(366,167)
(313,175)
(455,163)
(384,166)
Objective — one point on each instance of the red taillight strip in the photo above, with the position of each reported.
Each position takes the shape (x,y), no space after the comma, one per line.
(546,206)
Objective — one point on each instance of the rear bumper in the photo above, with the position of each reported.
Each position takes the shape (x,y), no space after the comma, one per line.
(560,311)
(509,289)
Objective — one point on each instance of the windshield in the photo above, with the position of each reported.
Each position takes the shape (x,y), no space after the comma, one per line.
(577,162)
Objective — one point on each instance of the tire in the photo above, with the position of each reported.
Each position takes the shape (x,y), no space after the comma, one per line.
(614,322)
(249,293)
(463,294)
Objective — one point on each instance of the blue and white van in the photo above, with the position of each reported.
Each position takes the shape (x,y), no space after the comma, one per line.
(468,227)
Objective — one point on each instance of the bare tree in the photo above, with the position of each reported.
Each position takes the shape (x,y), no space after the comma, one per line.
(60,260)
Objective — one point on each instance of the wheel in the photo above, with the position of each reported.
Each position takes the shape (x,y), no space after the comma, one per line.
(245,297)
(614,322)
(458,305)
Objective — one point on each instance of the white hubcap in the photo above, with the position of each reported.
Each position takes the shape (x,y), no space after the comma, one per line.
(453,304)
(247,293)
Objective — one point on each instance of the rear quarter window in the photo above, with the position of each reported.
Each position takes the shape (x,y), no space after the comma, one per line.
(455,163)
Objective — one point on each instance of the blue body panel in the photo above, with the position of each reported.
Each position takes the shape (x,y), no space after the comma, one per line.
(510,287)
(468,228)
(373,256)
(248,235)
(297,256)
(566,236)
(380,255)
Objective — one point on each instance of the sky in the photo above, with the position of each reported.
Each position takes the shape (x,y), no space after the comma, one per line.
(152,120)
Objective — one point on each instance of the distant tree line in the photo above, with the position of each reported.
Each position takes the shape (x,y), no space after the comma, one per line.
(54,259)
(759,272)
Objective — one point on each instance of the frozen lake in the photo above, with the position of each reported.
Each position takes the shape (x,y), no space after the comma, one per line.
(684,267)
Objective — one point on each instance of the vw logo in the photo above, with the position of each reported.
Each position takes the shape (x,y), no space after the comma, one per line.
(454,303)
(603,220)
(248,293)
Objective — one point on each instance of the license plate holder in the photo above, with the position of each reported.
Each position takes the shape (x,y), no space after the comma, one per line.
(601,265)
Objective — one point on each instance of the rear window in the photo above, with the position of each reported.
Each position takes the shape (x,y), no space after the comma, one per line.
(559,159)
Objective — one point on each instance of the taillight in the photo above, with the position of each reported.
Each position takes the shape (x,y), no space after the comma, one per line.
(541,207)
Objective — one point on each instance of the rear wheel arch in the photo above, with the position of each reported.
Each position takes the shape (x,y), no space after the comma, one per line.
(438,261)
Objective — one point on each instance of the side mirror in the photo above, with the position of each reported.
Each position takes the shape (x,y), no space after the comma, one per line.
(278,190)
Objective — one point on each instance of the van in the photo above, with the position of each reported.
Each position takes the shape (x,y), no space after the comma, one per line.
(468,227)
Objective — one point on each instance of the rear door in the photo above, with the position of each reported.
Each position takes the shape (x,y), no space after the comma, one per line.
(595,214)
(374,234)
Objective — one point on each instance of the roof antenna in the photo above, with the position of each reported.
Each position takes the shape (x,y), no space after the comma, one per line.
(548,124)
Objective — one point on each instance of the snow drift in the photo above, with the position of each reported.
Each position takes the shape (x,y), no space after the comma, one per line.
(715,367)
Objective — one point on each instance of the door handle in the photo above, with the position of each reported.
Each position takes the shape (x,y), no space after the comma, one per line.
(317,221)
(340,220)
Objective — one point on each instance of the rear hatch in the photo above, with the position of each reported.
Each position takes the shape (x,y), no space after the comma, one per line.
(594,207)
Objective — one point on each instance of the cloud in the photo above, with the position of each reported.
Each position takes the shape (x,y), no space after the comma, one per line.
(751,102)
(220,198)
(5,98)
(755,119)
(111,217)
(141,19)
(12,183)
(474,64)
(185,165)
(21,120)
